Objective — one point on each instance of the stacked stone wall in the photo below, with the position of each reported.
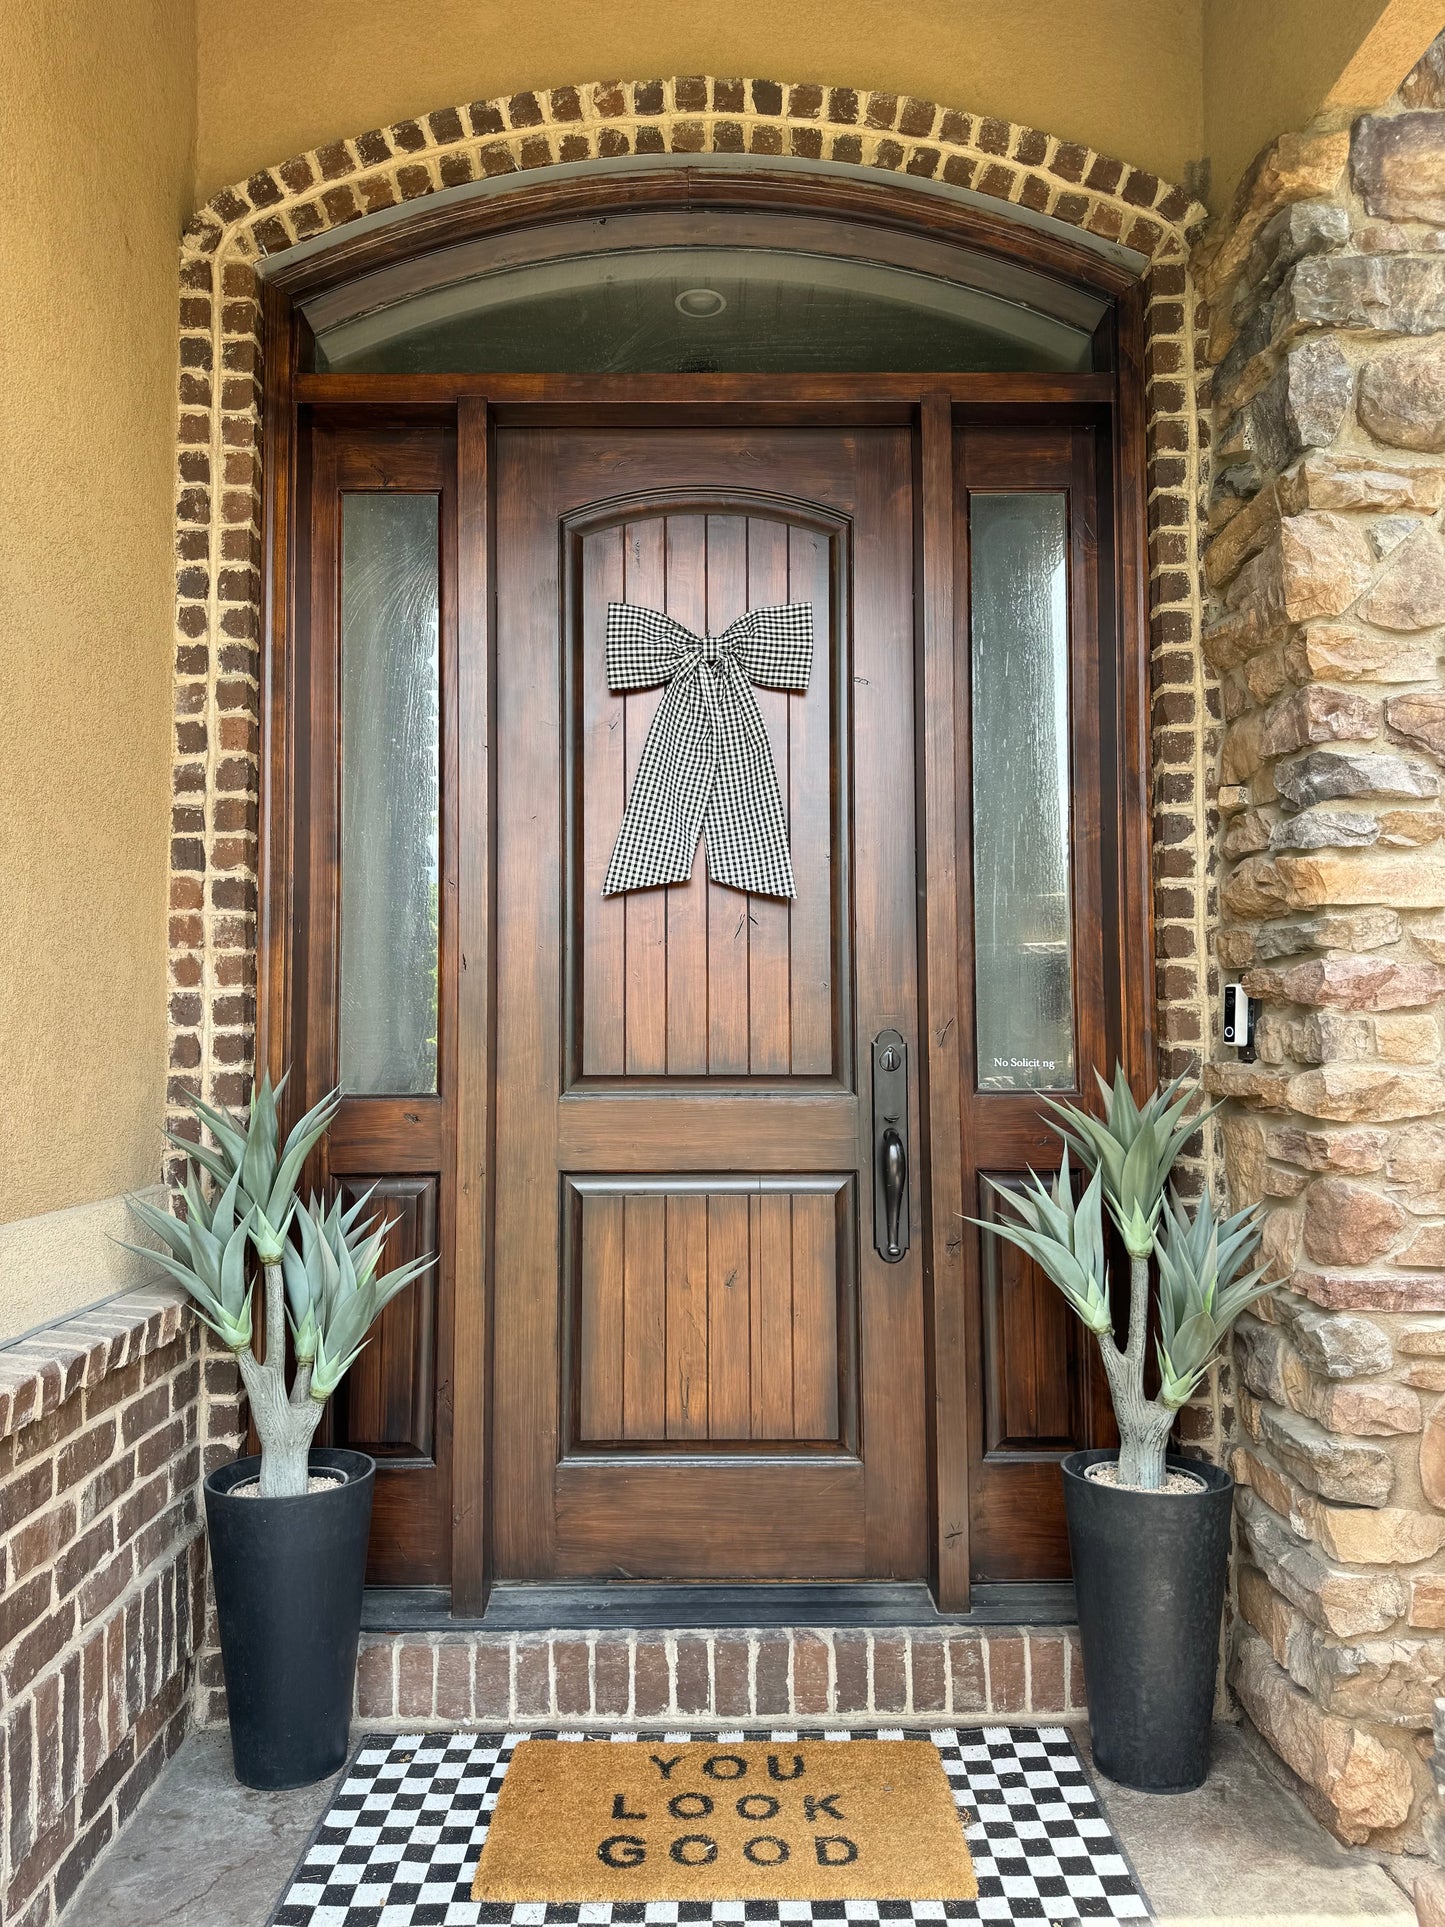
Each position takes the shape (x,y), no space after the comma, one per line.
(1324,572)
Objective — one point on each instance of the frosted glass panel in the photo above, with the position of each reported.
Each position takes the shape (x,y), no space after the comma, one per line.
(390,764)
(1023,961)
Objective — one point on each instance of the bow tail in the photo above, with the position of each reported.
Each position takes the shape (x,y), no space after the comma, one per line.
(663,820)
(747,832)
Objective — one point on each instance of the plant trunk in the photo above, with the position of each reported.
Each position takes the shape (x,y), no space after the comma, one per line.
(285,1425)
(1144,1424)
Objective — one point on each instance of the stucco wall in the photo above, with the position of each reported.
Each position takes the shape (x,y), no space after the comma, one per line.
(1120,76)
(97,103)
(1270,69)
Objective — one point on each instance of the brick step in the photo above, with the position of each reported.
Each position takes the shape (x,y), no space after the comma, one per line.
(607,1677)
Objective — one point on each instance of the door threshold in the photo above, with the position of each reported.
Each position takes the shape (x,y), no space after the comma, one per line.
(636,1607)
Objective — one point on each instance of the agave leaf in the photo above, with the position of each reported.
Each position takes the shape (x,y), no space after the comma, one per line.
(183,1273)
(1194,1342)
(207,1252)
(1201,1288)
(258,1163)
(201,1154)
(306,1337)
(328,1370)
(268,1238)
(198,1205)
(354,1211)
(224,1129)
(234,1332)
(298,1284)
(224,1211)
(1065,1240)
(235,1286)
(386,1288)
(281,1200)
(1242,1293)
(171,1231)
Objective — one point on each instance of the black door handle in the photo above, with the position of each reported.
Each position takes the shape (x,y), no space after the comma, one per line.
(890,1146)
(895,1180)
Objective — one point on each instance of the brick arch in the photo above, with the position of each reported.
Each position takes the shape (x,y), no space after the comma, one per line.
(919,140)
(214,870)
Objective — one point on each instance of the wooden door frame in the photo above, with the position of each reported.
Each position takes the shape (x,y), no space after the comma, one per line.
(475,404)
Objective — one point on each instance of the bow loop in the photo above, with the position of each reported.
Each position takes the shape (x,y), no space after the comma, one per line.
(706,764)
(774,646)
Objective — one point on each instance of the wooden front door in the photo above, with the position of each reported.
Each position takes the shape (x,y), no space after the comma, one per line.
(640,1132)
(703,1367)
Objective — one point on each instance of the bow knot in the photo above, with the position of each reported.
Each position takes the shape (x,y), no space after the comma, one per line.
(706,765)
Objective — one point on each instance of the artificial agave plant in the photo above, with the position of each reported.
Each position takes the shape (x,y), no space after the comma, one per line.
(319,1263)
(1203,1283)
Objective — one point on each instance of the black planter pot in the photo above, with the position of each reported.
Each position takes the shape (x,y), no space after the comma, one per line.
(289,1575)
(1149,1573)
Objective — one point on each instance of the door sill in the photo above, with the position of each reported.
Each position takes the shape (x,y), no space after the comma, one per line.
(629,1606)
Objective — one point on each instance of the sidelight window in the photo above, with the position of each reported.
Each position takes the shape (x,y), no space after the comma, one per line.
(1023,952)
(390,776)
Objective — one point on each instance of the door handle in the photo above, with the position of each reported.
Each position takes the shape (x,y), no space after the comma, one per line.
(890,1146)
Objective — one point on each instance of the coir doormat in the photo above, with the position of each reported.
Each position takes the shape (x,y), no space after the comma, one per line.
(399,1844)
(737,1820)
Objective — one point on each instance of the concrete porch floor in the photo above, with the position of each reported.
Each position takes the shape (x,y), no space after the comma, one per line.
(1242,1852)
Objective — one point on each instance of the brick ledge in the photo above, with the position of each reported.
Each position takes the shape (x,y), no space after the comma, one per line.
(42,1370)
(607,1679)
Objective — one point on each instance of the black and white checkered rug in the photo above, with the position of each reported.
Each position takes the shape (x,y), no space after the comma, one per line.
(398,1845)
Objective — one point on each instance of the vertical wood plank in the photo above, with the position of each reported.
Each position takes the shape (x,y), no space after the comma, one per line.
(528,1054)
(815,1316)
(1132,801)
(644,1318)
(883,792)
(601,1335)
(769,1002)
(773,1331)
(944,1276)
(729,1317)
(601,794)
(687,903)
(727,944)
(278,1021)
(475,1018)
(687,1316)
(645,912)
(810,816)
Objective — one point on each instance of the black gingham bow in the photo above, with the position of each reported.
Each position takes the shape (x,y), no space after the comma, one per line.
(706,764)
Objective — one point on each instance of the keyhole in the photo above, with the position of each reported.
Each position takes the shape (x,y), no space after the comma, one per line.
(889,1059)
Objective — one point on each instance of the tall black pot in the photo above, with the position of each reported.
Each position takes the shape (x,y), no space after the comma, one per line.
(1149,1573)
(289,1576)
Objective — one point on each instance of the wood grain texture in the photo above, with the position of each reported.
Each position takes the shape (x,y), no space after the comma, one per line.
(1026,1367)
(469,1043)
(887,226)
(697,980)
(682,1278)
(387,1402)
(951,1394)
(750,1287)
(401,1138)
(311,424)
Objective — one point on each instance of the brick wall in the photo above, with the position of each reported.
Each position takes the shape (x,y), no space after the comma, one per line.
(101,1565)
(1325,572)
(723,1675)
